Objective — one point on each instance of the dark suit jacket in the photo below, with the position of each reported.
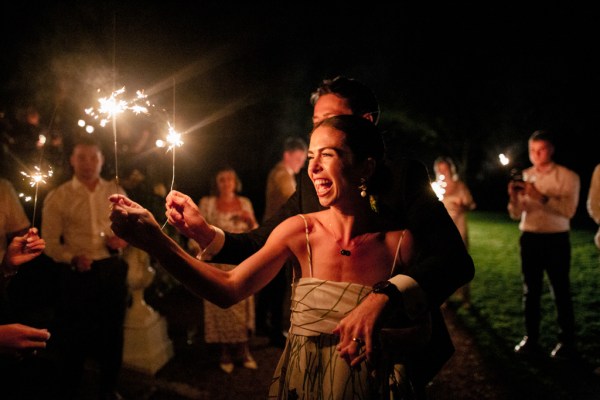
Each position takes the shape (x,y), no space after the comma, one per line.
(442,263)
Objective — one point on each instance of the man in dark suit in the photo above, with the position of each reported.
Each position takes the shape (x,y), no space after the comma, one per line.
(442,264)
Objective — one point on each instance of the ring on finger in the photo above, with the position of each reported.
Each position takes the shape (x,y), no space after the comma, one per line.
(358,341)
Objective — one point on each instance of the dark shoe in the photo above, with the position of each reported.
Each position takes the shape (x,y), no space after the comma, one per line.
(564,351)
(528,347)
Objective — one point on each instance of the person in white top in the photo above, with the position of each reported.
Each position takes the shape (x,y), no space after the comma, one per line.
(545,202)
(76,227)
(593,201)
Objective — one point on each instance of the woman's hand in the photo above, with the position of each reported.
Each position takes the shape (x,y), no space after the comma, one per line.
(21,337)
(23,249)
(133,223)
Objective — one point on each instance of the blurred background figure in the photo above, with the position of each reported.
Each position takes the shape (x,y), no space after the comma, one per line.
(281,184)
(231,327)
(593,201)
(544,203)
(91,313)
(457,199)
(593,207)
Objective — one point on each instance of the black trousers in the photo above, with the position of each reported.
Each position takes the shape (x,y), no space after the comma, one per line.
(550,252)
(90,322)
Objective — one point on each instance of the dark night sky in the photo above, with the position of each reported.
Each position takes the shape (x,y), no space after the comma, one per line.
(464,81)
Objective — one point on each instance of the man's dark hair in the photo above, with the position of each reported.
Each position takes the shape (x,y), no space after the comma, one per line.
(543,134)
(293,143)
(86,140)
(360,98)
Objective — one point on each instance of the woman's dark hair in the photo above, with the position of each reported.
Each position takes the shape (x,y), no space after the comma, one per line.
(360,98)
(364,140)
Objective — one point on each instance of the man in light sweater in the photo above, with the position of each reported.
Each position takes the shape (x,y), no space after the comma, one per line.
(545,202)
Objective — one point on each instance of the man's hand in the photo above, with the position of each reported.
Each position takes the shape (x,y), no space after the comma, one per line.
(15,337)
(357,330)
(185,216)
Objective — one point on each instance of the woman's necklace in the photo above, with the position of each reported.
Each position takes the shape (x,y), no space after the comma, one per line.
(346,252)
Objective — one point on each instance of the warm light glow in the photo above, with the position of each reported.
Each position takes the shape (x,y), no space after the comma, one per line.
(174,138)
(160,143)
(503,159)
(113,105)
(81,123)
(37,177)
(439,187)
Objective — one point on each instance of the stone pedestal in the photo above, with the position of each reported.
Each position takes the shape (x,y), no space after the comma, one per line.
(147,346)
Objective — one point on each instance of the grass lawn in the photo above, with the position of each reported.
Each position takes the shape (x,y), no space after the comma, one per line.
(496,317)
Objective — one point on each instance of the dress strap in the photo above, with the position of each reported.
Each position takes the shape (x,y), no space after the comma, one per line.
(307,244)
(397,252)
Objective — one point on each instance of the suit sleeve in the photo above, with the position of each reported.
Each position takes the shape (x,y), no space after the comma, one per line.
(442,263)
(239,246)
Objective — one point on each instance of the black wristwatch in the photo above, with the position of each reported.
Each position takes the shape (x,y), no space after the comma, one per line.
(391,291)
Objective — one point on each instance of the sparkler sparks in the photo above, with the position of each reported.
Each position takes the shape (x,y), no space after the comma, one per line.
(34,181)
(113,105)
(504,160)
(37,177)
(174,140)
(439,187)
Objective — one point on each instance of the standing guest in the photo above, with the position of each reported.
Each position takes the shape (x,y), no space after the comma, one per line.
(231,328)
(544,203)
(441,266)
(593,201)
(593,207)
(77,230)
(330,249)
(458,200)
(281,184)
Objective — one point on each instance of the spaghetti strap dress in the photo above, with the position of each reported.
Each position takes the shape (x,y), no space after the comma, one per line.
(310,367)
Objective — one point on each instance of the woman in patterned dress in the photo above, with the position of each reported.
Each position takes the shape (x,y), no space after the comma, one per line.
(230,327)
(340,254)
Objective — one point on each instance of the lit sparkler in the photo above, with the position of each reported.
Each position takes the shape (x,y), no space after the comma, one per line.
(173,139)
(114,105)
(34,180)
(504,160)
(439,187)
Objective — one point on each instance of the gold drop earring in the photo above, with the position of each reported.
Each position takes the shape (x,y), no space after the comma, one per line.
(363,187)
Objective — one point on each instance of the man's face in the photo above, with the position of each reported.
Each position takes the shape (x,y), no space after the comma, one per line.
(330,105)
(87,162)
(295,160)
(540,152)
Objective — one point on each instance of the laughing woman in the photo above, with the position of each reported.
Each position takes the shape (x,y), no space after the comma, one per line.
(341,255)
